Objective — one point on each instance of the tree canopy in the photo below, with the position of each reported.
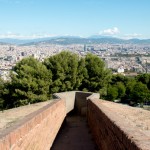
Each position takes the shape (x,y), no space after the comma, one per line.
(2,85)
(140,94)
(29,84)
(33,81)
(96,76)
(66,71)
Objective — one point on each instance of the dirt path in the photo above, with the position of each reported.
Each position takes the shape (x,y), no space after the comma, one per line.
(74,135)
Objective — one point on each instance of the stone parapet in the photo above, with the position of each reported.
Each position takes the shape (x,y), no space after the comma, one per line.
(36,131)
(118,127)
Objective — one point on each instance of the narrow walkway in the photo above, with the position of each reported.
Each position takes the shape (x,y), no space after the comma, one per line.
(74,135)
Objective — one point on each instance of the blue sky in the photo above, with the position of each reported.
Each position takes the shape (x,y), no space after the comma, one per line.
(43,18)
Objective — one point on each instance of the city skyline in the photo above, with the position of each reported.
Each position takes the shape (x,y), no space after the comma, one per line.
(38,19)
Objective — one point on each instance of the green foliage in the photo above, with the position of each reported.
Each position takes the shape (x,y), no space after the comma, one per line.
(145,79)
(121,89)
(116,91)
(2,86)
(72,73)
(112,93)
(119,78)
(96,76)
(130,87)
(33,81)
(29,84)
(67,71)
(140,93)
(81,73)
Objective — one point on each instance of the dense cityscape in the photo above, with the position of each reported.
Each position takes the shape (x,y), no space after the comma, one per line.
(121,58)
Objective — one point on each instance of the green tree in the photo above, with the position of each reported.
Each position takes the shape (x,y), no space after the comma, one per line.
(121,89)
(119,78)
(145,79)
(140,93)
(112,93)
(97,76)
(2,86)
(130,87)
(81,73)
(30,81)
(66,70)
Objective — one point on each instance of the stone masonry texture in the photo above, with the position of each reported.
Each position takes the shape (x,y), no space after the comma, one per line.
(118,127)
(113,126)
(37,131)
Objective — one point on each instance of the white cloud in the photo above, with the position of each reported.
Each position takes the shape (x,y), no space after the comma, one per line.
(131,36)
(10,34)
(110,31)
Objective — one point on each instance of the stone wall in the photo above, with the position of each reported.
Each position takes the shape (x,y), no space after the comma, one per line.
(36,131)
(76,100)
(114,126)
(113,129)
(69,98)
(81,102)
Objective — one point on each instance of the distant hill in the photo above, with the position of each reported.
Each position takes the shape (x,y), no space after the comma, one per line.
(139,41)
(29,41)
(64,40)
(21,41)
(2,43)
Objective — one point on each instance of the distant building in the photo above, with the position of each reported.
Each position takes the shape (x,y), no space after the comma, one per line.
(85,47)
(9,58)
(92,48)
(23,53)
(35,56)
(5,75)
(10,48)
(120,69)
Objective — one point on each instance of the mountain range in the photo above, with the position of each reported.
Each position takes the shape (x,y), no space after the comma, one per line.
(95,39)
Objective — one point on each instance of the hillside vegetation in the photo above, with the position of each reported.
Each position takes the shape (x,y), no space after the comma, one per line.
(32,81)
